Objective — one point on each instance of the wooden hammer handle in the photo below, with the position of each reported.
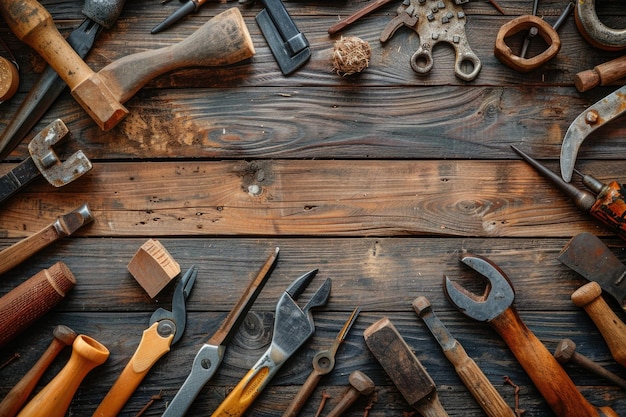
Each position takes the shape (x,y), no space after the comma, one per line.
(32,299)
(549,377)
(602,74)
(613,330)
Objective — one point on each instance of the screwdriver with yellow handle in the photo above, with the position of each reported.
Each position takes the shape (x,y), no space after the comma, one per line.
(607,205)
(292,327)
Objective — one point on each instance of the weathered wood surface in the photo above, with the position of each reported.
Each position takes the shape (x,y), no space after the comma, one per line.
(380,180)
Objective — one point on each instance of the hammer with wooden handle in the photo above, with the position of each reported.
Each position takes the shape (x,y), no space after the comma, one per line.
(32,299)
(360,384)
(15,399)
(223,40)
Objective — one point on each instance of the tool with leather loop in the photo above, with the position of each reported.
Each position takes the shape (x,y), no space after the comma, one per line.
(594,31)
(223,40)
(166,328)
(32,299)
(45,162)
(323,363)
(607,204)
(292,327)
(210,356)
(597,115)
(99,14)
(495,306)
(603,74)
(473,377)
(403,368)
(62,227)
(11,404)
(55,398)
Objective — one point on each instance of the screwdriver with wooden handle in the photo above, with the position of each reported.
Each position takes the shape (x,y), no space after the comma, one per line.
(474,379)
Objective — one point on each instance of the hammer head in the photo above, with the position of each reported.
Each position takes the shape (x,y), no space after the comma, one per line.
(498,295)
(103,12)
(46,160)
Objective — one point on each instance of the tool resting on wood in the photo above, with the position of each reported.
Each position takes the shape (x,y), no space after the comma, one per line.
(223,40)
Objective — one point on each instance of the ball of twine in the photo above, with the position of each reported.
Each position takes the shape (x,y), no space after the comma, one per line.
(351,55)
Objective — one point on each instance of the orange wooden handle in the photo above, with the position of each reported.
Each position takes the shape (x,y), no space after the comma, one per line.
(244,394)
(549,377)
(32,299)
(152,347)
(54,399)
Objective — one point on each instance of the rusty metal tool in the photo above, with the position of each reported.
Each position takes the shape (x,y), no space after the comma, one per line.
(32,299)
(62,227)
(323,363)
(292,327)
(473,377)
(222,40)
(565,352)
(211,354)
(403,368)
(604,111)
(54,399)
(434,22)
(603,74)
(99,14)
(594,31)
(166,328)
(613,330)
(607,205)
(188,7)
(11,404)
(360,385)
(45,162)
(375,5)
(495,306)
(586,254)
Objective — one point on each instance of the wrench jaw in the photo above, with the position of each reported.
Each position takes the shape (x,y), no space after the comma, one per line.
(498,295)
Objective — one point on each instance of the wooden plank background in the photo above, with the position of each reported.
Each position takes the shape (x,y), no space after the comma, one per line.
(381,180)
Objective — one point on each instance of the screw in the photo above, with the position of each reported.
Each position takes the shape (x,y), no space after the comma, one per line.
(322,402)
(592,116)
(152,400)
(518,411)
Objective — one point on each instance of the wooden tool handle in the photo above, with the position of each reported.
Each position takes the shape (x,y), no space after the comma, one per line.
(549,377)
(223,40)
(477,383)
(303,394)
(360,384)
(32,299)
(244,394)
(356,16)
(613,330)
(22,250)
(431,407)
(54,399)
(602,74)
(16,398)
(152,347)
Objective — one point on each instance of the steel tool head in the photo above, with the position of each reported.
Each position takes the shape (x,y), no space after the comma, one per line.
(103,12)
(46,160)
(498,295)
(590,257)
(178,315)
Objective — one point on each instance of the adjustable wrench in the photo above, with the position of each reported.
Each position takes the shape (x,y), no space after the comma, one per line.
(495,306)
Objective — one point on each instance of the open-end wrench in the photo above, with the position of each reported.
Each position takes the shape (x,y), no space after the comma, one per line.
(609,108)
(495,306)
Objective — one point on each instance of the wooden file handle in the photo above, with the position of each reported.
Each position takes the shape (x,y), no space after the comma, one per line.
(54,399)
(32,299)
(152,347)
(602,74)
(11,404)
(549,377)
(303,394)
(613,330)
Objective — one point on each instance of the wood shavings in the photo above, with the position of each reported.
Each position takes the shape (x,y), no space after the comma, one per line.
(351,55)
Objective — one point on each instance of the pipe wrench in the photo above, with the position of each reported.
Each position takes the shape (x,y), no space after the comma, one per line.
(210,355)
(609,108)
(44,161)
(166,328)
(292,327)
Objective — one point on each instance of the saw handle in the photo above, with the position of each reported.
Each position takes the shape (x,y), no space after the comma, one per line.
(54,399)
(151,348)
(613,330)
(549,377)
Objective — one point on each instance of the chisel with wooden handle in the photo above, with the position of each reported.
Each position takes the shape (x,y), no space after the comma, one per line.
(32,299)
(63,226)
(403,368)
(223,40)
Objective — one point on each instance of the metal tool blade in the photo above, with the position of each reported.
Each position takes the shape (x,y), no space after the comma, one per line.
(18,178)
(586,254)
(344,330)
(596,116)
(187,8)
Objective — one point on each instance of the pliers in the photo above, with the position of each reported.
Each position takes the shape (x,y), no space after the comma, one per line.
(166,328)
(292,327)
